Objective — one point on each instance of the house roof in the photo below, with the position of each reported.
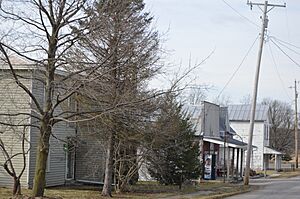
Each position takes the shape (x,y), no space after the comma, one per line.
(268,150)
(18,63)
(232,131)
(242,112)
(229,142)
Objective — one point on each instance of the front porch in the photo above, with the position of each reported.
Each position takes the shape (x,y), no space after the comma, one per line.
(228,154)
(268,152)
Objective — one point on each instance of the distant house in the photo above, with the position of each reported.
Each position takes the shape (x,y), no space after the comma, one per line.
(239,117)
(13,99)
(214,132)
(69,159)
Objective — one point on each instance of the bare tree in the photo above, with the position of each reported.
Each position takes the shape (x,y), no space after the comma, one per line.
(246,99)
(223,100)
(197,93)
(14,142)
(281,135)
(8,163)
(43,36)
(99,54)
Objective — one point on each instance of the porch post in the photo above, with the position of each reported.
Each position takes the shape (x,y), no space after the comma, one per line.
(279,161)
(276,162)
(237,162)
(228,162)
(242,160)
(232,162)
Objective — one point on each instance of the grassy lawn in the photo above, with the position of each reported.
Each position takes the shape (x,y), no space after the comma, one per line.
(284,174)
(288,173)
(221,190)
(149,190)
(141,190)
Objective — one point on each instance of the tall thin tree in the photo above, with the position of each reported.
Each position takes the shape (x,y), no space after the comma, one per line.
(122,35)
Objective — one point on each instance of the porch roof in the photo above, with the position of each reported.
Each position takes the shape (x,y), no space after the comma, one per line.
(268,150)
(230,142)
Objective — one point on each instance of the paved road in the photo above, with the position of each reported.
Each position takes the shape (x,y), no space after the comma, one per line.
(288,188)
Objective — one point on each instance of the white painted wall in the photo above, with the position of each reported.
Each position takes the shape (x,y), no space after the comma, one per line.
(260,139)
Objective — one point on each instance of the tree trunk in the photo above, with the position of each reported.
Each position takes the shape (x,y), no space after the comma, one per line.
(40,170)
(123,187)
(17,187)
(107,187)
(41,161)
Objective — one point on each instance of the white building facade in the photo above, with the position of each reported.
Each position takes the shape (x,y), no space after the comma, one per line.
(239,117)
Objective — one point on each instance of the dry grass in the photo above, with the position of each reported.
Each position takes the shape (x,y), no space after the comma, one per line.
(67,193)
(284,174)
(228,192)
(142,190)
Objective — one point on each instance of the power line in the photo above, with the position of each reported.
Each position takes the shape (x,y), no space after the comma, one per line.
(284,42)
(277,71)
(284,52)
(237,69)
(241,15)
(294,51)
(287,24)
(289,48)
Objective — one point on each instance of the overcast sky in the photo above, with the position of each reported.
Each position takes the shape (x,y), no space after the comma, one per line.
(197,27)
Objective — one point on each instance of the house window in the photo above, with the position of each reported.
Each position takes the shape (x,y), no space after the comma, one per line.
(70,158)
(266,134)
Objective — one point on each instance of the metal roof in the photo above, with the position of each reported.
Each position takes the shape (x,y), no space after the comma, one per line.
(18,63)
(229,141)
(268,150)
(242,112)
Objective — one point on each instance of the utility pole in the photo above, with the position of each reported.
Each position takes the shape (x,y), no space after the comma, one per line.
(296,125)
(254,96)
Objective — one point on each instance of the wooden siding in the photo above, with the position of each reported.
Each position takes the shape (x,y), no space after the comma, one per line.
(242,129)
(90,163)
(90,155)
(57,171)
(12,100)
